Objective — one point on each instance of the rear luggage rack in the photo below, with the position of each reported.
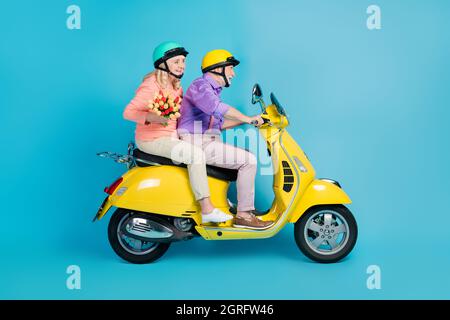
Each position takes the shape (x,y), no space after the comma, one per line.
(127,159)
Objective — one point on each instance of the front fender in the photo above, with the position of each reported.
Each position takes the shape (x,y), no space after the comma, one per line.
(319,192)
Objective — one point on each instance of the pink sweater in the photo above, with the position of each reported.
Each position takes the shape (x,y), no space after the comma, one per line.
(137,111)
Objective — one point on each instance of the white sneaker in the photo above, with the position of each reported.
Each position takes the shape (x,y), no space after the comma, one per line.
(216,216)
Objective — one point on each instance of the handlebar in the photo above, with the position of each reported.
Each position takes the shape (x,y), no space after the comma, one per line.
(255,122)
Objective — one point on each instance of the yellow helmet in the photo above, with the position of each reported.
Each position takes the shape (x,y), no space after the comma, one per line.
(218,58)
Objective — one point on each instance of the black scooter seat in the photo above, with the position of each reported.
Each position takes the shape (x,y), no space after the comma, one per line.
(146,160)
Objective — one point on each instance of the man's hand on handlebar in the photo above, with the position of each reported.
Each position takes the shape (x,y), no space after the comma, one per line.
(257,121)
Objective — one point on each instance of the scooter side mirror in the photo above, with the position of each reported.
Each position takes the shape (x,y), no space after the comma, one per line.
(256,93)
(257,96)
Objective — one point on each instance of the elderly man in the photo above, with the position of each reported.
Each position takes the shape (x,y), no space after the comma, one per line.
(204,115)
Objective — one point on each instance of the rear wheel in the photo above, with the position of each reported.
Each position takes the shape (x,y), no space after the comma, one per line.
(326,234)
(131,249)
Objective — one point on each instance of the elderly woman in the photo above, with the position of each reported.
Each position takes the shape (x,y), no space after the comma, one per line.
(157,135)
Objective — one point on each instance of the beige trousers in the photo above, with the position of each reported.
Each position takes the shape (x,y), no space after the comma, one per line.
(181,152)
(223,155)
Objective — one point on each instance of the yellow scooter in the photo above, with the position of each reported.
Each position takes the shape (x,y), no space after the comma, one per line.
(156,206)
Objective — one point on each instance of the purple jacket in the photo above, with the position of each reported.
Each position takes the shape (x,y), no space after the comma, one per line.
(200,104)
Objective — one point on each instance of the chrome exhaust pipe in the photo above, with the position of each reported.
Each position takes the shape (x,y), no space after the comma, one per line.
(152,229)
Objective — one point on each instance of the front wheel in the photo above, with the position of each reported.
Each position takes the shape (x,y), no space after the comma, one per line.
(326,234)
(131,249)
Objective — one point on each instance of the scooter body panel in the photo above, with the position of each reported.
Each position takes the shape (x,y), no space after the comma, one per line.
(227,232)
(293,172)
(165,190)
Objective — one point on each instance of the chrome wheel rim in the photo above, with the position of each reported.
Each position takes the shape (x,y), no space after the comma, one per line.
(132,245)
(326,232)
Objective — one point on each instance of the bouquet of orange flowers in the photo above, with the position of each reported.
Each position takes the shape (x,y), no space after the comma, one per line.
(165,106)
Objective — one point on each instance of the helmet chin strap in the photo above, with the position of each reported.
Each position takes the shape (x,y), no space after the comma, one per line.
(170,72)
(222,74)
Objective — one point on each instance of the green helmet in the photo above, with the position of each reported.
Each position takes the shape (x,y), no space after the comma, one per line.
(165,51)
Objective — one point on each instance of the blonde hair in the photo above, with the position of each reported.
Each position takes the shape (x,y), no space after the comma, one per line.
(163,79)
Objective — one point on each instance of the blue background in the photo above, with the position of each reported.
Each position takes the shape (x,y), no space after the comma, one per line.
(370,108)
